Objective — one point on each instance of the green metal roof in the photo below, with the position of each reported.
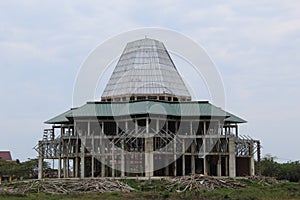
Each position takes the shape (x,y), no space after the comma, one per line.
(183,109)
(60,119)
(234,119)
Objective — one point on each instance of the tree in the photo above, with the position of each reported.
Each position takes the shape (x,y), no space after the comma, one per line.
(282,171)
(27,169)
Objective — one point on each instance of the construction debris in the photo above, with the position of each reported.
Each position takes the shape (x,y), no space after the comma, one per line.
(264,180)
(202,182)
(67,186)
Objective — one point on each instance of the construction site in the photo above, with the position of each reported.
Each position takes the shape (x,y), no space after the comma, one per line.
(146,124)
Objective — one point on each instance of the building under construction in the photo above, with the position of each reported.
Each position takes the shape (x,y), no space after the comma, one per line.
(147,125)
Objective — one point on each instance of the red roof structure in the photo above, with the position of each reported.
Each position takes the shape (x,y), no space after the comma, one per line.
(5,155)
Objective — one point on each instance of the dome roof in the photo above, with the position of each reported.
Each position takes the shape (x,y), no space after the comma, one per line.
(145,68)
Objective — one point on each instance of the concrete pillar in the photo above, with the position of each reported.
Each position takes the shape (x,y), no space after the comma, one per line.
(175,156)
(166,165)
(219,168)
(82,162)
(226,166)
(41,160)
(251,167)
(76,169)
(193,158)
(183,157)
(232,157)
(205,166)
(113,160)
(65,167)
(59,167)
(102,149)
(149,167)
(122,159)
(93,166)
(102,166)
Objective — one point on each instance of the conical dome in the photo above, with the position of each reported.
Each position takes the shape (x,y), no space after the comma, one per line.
(145,71)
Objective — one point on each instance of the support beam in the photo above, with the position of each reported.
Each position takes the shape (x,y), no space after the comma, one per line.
(232,157)
(183,157)
(219,168)
(258,158)
(193,158)
(41,160)
(149,167)
(251,163)
(82,162)
(122,159)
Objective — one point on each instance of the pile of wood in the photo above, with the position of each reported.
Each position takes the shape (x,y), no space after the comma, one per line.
(264,180)
(201,182)
(68,186)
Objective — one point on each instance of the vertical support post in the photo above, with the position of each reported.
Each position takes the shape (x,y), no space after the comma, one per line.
(226,166)
(183,157)
(175,155)
(219,168)
(102,151)
(193,158)
(41,159)
(205,166)
(93,166)
(113,160)
(65,167)
(232,157)
(122,159)
(93,152)
(251,167)
(77,158)
(82,162)
(258,158)
(149,167)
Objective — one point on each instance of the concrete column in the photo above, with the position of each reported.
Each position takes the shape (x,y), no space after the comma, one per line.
(166,165)
(175,156)
(122,159)
(252,167)
(41,160)
(193,158)
(113,160)
(183,157)
(226,166)
(82,162)
(205,165)
(59,167)
(65,167)
(219,168)
(149,167)
(93,166)
(76,169)
(102,151)
(232,157)
(102,166)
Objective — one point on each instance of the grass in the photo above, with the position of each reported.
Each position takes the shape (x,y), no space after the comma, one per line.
(155,190)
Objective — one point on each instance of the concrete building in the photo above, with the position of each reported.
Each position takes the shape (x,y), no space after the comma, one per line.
(146,125)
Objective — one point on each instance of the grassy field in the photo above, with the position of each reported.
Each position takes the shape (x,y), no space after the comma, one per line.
(156,190)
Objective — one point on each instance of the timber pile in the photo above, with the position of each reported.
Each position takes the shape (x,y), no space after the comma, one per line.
(68,186)
(264,180)
(201,182)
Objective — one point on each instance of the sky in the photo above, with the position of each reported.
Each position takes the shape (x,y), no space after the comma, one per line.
(255,46)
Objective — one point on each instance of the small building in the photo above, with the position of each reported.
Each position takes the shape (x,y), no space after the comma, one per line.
(5,158)
(147,125)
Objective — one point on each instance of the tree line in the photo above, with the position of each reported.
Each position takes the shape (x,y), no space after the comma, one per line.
(21,170)
(282,171)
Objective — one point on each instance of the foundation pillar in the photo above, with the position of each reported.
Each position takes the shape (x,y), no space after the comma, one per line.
(232,157)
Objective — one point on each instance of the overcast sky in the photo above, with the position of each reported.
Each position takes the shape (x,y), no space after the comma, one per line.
(254,44)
